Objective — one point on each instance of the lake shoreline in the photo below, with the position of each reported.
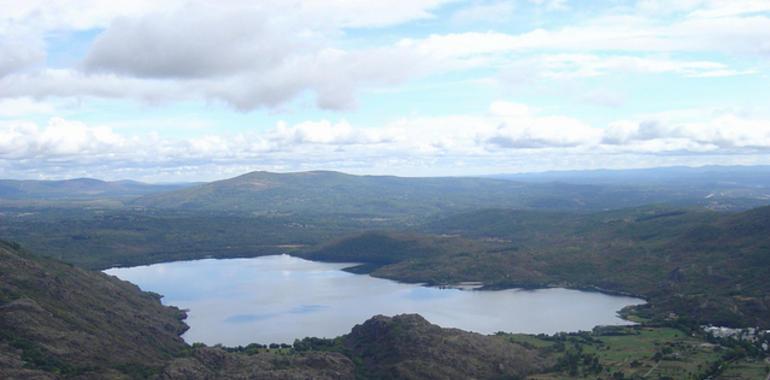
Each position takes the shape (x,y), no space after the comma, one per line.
(334,300)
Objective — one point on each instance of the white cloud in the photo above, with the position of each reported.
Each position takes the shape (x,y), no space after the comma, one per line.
(527,131)
(19,52)
(60,138)
(727,132)
(266,54)
(248,54)
(509,132)
(325,132)
(369,13)
(47,15)
(492,12)
(14,107)
(196,42)
(725,8)
(618,33)
(586,65)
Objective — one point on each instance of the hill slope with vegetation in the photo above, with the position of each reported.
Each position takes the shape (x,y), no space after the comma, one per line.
(64,320)
(58,321)
(339,193)
(701,265)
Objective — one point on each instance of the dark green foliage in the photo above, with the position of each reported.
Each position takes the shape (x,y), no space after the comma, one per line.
(655,252)
(377,248)
(100,239)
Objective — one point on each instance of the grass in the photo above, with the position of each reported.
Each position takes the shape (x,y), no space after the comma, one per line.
(747,369)
(639,353)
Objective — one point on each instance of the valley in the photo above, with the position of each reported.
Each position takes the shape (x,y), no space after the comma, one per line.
(694,264)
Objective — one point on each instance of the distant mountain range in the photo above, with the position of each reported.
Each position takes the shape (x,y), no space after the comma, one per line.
(329,192)
(78,189)
(714,177)
(334,192)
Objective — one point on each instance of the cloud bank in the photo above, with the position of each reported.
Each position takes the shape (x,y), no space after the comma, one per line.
(508,133)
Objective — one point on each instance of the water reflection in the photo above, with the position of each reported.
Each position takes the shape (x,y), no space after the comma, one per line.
(280,298)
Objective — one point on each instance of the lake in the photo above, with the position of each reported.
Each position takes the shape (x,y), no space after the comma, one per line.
(275,299)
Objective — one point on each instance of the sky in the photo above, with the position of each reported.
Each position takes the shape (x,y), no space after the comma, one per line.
(177,90)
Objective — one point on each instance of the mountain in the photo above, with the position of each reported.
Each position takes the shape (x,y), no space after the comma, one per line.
(719,187)
(333,192)
(409,347)
(78,189)
(705,266)
(56,319)
(708,176)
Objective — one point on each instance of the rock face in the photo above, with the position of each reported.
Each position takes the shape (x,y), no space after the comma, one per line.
(409,347)
(64,320)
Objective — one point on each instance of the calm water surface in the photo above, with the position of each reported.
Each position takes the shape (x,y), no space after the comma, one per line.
(275,299)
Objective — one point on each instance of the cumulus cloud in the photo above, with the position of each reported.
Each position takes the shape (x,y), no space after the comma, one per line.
(197,42)
(19,52)
(266,54)
(247,54)
(508,132)
(327,133)
(60,138)
(726,132)
(89,14)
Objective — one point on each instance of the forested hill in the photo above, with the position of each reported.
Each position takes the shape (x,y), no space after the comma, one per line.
(334,192)
(704,266)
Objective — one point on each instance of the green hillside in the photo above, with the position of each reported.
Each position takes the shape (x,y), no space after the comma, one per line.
(701,265)
(58,321)
(338,193)
(64,320)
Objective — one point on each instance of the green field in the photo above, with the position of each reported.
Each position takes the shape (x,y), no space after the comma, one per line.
(640,353)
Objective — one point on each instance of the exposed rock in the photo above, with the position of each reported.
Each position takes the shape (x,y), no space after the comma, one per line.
(409,347)
(68,320)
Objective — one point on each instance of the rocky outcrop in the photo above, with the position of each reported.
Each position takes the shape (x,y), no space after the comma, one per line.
(409,347)
(61,319)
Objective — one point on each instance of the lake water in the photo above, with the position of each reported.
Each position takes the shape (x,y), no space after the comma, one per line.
(275,299)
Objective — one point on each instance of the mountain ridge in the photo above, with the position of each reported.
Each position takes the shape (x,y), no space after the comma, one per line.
(78,189)
(335,192)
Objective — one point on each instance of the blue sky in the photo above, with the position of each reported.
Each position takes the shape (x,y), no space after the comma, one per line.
(195,90)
